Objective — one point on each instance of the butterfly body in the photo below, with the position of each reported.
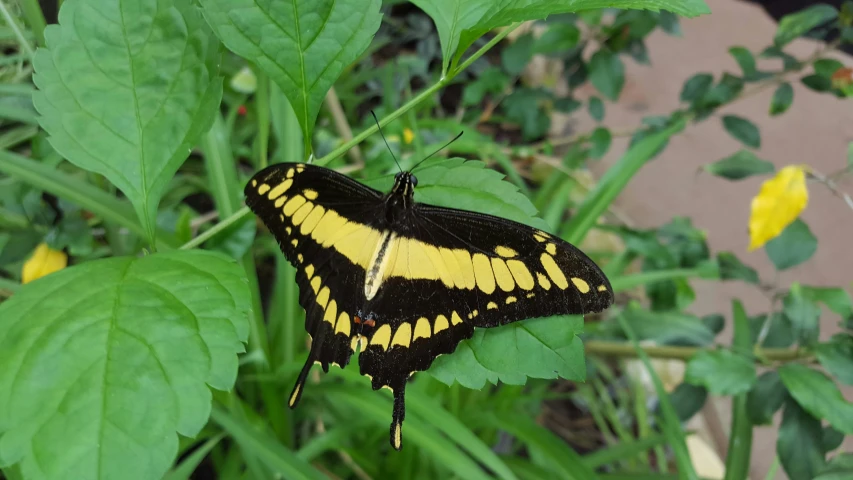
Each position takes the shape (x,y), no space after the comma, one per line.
(405,282)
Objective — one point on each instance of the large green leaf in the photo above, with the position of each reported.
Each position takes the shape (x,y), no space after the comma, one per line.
(541,348)
(799,443)
(125,89)
(817,393)
(766,397)
(101,363)
(461,22)
(303,46)
(722,372)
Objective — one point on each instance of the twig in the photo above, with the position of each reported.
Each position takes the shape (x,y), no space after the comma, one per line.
(619,349)
(333,103)
(830,184)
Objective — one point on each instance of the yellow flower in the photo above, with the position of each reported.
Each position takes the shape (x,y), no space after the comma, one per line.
(779,203)
(408,135)
(43,261)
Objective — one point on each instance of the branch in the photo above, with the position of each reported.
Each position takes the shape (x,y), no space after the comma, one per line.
(626,350)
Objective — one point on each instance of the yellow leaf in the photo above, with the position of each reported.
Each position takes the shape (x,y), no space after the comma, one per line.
(408,135)
(43,262)
(779,203)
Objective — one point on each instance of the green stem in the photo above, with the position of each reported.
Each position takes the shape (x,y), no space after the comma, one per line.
(619,349)
(214,230)
(627,282)
(34,18)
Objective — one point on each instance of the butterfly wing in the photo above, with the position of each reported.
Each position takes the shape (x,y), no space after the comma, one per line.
(317,215)
(449,271)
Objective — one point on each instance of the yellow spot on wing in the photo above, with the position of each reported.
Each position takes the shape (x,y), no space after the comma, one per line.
(422,329)
(329,224)
(455,319)
(539,237)
(254,183)
(403,335)
(323,297)
(475,313)
(502,275)
(398,436)
(543,281)
(289,173)
(293,205)
(483,272)
(492,306)
(310,194)
(309,271)
(521,274)
(343,325)
(505,251)
(452,265)
(382,336)
(463,258)
(315,284)
(510,300)
(551,248)
(264,188)
(358,244)
(582,285)
(280,201)
(359,342)
(302,213)
(279,189)
(437,262)
(331,313)
(602,288)
(440,323)
(554,271)
(312,220)
(294,395)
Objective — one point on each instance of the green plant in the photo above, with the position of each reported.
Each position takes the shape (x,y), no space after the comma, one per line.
(131,158)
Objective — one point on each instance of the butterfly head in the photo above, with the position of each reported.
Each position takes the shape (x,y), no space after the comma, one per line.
(404,185)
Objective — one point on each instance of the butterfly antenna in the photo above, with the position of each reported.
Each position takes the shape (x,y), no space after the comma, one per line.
(386,141)
(440,149)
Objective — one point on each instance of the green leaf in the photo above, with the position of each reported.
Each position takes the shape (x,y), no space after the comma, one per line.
(524,107)
(797,24)
(832,439)
(125,92)
(303,47)
(836,356)
(818,395)
(696,86)
(596,108)
(836,299)
(672,327)
(492,80)
(731,268)
(744,59)
(722,372)
(688,400)
(112,357)
(558,39)
(517,54)
(780,334)
(740,165)
(817,83)
(793,246)
(826,67)
(743,130)
(799,443)
(766,397)
(600,140)
(803,315)
(607,73)
(840,467)
(541,348)
(783,97)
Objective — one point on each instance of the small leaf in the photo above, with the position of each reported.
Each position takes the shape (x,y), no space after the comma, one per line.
(524,107)
(741,165)
(566,105)
(836,299)
(669,327)
(743,130)
(517,54)
(43,261)
(826,67)
(803,315)
(731,268)
(113,357)
(722,372)
(780,334)
(607,73)
(779,203)
(839,467)
(818,395)
(688,399)
(832,439)
(715,321)
(558,39)
(596,108)
(817,83)
(765,398)
(126,91)
(744,59)
(794,246)
(696,86)
(303,49)
(796,24)
(799,443)
(600,140)
(783,97)
(836,356)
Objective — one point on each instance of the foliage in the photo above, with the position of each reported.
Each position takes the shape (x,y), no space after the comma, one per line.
(134,279)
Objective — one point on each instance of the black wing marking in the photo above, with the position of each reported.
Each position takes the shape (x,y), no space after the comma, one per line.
(302,205)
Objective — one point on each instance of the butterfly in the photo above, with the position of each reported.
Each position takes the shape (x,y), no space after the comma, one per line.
(403,282)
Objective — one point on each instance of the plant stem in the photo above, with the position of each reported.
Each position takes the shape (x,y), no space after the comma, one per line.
(621,350)
(208,234)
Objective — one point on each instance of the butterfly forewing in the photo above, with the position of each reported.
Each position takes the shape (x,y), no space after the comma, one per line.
(411,285)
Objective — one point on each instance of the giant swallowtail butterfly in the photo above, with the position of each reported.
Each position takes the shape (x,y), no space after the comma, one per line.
(405,282)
